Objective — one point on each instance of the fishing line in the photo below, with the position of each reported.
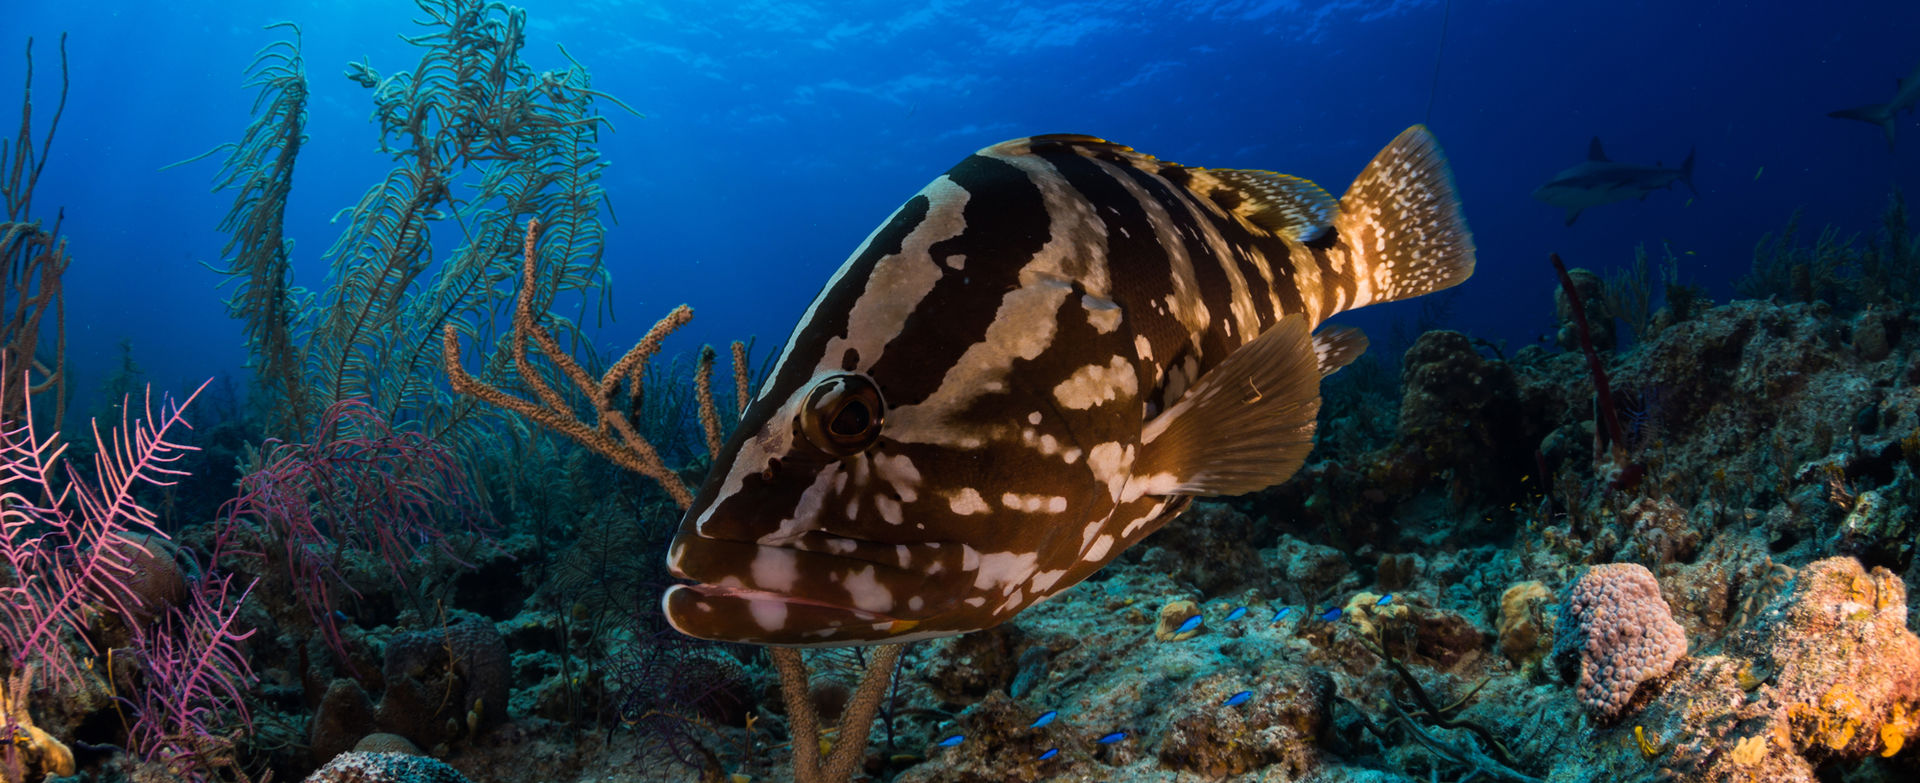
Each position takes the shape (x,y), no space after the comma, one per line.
(1434,89)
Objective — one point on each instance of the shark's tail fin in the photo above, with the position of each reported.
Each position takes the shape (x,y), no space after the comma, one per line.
(1876,113)
(1686,172)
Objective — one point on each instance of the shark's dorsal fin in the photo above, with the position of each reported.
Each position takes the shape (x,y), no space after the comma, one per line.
(1594,153)
(1283,204)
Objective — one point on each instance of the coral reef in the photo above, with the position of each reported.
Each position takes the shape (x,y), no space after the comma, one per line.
(1618,632)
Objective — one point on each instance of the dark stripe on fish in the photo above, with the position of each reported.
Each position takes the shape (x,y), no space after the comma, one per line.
(1006,226)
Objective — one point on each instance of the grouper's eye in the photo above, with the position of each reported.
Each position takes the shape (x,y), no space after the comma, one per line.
(843,415)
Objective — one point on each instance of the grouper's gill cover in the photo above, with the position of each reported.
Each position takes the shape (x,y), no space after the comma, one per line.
(1033,364)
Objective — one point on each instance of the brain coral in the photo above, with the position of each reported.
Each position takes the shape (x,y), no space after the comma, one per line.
(1621,632)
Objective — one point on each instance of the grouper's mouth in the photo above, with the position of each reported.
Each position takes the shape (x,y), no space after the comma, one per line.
(777,595)
(741,614)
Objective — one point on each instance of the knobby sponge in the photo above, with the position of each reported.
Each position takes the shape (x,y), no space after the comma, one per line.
(1621,632)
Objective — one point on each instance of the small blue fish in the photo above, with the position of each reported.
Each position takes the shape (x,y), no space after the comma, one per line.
(340,616)
(1051,752)
(1112,738)
(1237,613)
(1281,615)
(1238,699)
(1383,600)
(951,741)
(1331,615)
(1188,626)
(1044,719)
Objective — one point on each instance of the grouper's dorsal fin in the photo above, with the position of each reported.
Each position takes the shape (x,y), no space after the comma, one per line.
(1594,153)
(1245,426)
(1337,347)
(1284,204)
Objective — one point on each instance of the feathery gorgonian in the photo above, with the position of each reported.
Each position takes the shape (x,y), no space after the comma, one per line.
(65,537)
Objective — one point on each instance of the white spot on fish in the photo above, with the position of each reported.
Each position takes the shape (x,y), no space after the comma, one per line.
(967,501)
(867,592)
(1102,314)
(1005,569)
(889,509)
(1094,384)
(898,471)
(769,615)
(774,570)
(1045,580)
(1098,551)
(1033,418)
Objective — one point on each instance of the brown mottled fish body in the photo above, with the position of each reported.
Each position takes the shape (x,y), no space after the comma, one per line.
(1033,364)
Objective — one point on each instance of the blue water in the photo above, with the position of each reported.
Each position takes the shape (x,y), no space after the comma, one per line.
(778,134)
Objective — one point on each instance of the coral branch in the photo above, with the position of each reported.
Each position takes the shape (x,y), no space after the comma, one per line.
(624,446)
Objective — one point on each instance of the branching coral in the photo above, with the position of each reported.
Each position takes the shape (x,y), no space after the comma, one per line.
(32,261)
(258,256)
(613,436)
(479,141)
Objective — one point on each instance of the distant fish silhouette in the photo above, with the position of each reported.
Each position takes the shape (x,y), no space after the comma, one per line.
(1601,181)
(1905,96)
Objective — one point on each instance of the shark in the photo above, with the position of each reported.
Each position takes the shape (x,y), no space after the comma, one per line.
(1599,181)
(1905,96)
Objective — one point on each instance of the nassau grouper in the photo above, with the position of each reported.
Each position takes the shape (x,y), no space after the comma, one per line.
(1037,361)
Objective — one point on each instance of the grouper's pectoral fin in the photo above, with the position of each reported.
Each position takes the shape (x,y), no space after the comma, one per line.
(1246,425)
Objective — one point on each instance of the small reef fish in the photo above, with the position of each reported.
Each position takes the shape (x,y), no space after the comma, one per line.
(1037,361)
(1112,738)
(1051,752)
(1044,719)
(1281,615)
(951,741)
(1237,699)
(1384,600)
(1600,181)
(1331,615)
(1188,626)
(1237,613)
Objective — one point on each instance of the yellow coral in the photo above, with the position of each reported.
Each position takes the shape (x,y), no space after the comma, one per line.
(1649,743)
(1838,718)
(1893,733)
(1749,751)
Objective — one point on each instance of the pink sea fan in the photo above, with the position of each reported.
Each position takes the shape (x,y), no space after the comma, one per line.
(356,486)
(66,538)
(194,671)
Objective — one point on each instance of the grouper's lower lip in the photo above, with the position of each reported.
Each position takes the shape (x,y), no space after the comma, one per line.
(741,614)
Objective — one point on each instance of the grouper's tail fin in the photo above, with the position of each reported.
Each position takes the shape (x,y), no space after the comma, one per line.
(1401,221)
(1876,113)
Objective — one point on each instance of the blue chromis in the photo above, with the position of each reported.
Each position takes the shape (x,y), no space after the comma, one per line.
(1112,738)
(1331,615)
(1237,613)
(1237,699)
(951,741)
(1044,719)
(1188,626)
(1281,615)
(1384,600)
(1038,360)
(1051,752)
